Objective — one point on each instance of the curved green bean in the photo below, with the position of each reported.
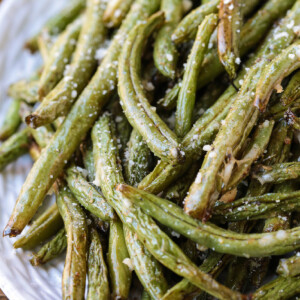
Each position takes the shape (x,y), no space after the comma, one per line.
(280,67)
(11,120)
(51,249)
(75,126)
(160,139)
(59,101)
(41,229)
(74,275)
(187,94)
(209,235)
(59,57)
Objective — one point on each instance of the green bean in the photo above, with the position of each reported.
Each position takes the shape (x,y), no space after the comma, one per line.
(160,139)
(253,31)
(213,264)
(59,57)
(88,160)
(169,101)
(165,54)
(51,249)
(98,284)
(209,235)
(165,250)
(120,274)
(148,270)
(45,43)
(75,126)
(108,174)
(138,159)
(236,120)
(11,120)
(277,173)
(59,101)
(228,36)
(187,94)
(279,111)
(254,150)
(292,120)
(116,11)
(289,267)
(253,208)
(59,22)
(74,275)
(187,28)
(280,67)
(292,91)
(14,147)
(25,90)
(88,196)
(278,289)
(42,135)
(42,228)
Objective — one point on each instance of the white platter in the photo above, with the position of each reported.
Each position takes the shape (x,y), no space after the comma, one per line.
(19,19)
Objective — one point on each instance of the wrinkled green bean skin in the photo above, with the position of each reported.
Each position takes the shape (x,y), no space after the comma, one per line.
(108,174)
(209,235)
(98,283)
(88,196)
(74,274)
(59,56)
(138,159)
(146,267)
(140,114)
(42,228)
(213,264)
(14,147)
(59,101)
(11,120)
(187,94)
(51,249)
(165,54)
(278,173)
(80,119)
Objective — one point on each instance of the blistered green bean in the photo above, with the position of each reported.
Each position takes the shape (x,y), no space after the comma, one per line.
(51,249)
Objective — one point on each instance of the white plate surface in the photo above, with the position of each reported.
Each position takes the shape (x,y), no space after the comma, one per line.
(19,19)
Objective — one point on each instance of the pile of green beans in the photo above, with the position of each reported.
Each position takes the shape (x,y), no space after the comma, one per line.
(168,133)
